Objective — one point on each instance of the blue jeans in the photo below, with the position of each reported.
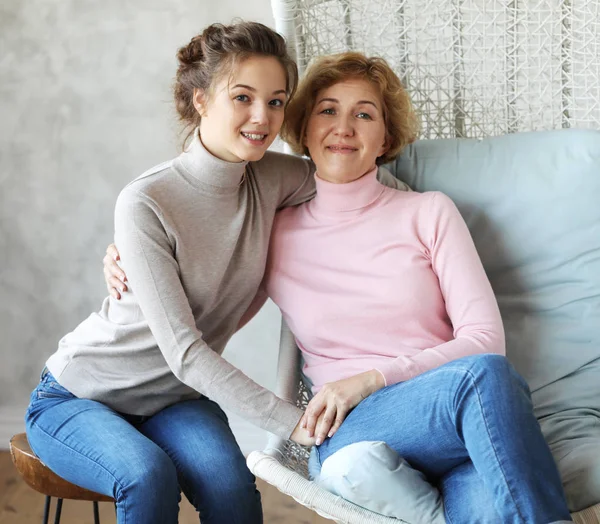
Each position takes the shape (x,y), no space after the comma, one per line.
(144,462)
(469,426)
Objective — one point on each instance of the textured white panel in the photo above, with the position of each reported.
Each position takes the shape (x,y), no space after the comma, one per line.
(474,68)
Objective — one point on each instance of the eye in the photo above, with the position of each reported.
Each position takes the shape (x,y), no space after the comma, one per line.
(328,111)
(242,98)
(364,116)
(276,103)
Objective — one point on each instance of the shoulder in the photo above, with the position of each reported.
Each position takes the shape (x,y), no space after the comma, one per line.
(406,198)
(440,217)
(150,182)
(441,206)
(427,201)
(288,179)
(145,190)
(279,170)
(439,200)
(151,176)
(426,211)
(273,163)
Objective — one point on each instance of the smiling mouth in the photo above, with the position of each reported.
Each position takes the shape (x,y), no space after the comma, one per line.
(255,138)
(344,150)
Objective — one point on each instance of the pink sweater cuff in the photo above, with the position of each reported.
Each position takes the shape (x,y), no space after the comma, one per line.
(397,370)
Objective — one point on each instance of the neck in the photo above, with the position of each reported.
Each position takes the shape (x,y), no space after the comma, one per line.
(212,172)
(346,198)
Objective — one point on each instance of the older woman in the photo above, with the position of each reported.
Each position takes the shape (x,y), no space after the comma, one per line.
(391,307)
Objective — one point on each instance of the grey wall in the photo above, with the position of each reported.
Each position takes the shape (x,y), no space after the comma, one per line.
(85,106)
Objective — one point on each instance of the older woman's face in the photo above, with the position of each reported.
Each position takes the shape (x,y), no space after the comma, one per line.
(346,131)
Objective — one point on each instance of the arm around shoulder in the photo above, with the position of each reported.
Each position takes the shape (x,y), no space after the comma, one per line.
(292,175)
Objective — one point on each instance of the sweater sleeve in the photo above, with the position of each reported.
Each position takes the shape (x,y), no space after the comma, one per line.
(255,306)
(296,177)
(147,256)
(470,301)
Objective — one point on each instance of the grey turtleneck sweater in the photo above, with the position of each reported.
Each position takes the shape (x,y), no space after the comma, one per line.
(193,236)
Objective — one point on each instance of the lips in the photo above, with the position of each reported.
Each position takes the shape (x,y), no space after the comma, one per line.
(342,148)
(254,137)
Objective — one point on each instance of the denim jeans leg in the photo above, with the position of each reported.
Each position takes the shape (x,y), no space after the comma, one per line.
(211,467)
(90,445)
(314,464)
(506,444)
(475,408)
(466,499)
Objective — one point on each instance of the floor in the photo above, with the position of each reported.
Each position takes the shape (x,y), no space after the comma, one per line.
(19,504)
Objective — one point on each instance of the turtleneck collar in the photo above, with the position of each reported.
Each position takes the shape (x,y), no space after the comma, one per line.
(210,171)
(345,198)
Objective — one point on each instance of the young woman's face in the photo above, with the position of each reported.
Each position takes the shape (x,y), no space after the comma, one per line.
(346,131)
(244,110)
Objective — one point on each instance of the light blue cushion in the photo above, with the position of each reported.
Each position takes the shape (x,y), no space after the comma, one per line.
(532,203)
(374,476)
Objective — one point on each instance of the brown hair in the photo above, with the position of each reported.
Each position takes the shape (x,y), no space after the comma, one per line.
(401,122)
(210,54)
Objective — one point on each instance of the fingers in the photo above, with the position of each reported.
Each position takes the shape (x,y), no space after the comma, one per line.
(113,285)
(112,252)
(300,436)
(110,261)
(336,425)
(113,275)
(113,268)
(324,423)
(114,282)
(313,410)
(110,264)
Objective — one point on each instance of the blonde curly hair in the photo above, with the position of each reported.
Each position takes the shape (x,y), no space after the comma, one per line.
(401,122)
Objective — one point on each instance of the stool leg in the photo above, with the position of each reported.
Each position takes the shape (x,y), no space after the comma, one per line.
(96,514)
(46,510)
(58,510)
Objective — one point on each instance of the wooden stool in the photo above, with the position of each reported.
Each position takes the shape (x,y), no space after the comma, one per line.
(43,480)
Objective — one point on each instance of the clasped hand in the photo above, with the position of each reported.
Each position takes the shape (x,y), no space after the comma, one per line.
(330,406)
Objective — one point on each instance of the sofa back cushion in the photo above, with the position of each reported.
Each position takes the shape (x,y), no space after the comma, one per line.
(532,204)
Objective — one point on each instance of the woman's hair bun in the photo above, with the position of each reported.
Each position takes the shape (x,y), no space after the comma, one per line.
(191,53)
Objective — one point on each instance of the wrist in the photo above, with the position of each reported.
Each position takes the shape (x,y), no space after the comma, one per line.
(377,380)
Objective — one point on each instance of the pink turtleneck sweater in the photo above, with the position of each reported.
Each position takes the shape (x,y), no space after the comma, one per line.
(368,277)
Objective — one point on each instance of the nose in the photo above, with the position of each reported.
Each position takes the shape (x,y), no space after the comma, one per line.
(260,114)
(343,126)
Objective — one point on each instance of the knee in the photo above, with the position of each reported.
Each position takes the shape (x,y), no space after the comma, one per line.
(238,484)
(153,474)
(493,376)
(212,498)
(234,482)
(490,367)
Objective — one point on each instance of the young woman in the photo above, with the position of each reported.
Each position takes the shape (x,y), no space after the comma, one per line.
(129,405)
(391,307)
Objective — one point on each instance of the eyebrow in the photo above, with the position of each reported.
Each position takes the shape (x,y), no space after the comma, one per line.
(250,88)
(358,103)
